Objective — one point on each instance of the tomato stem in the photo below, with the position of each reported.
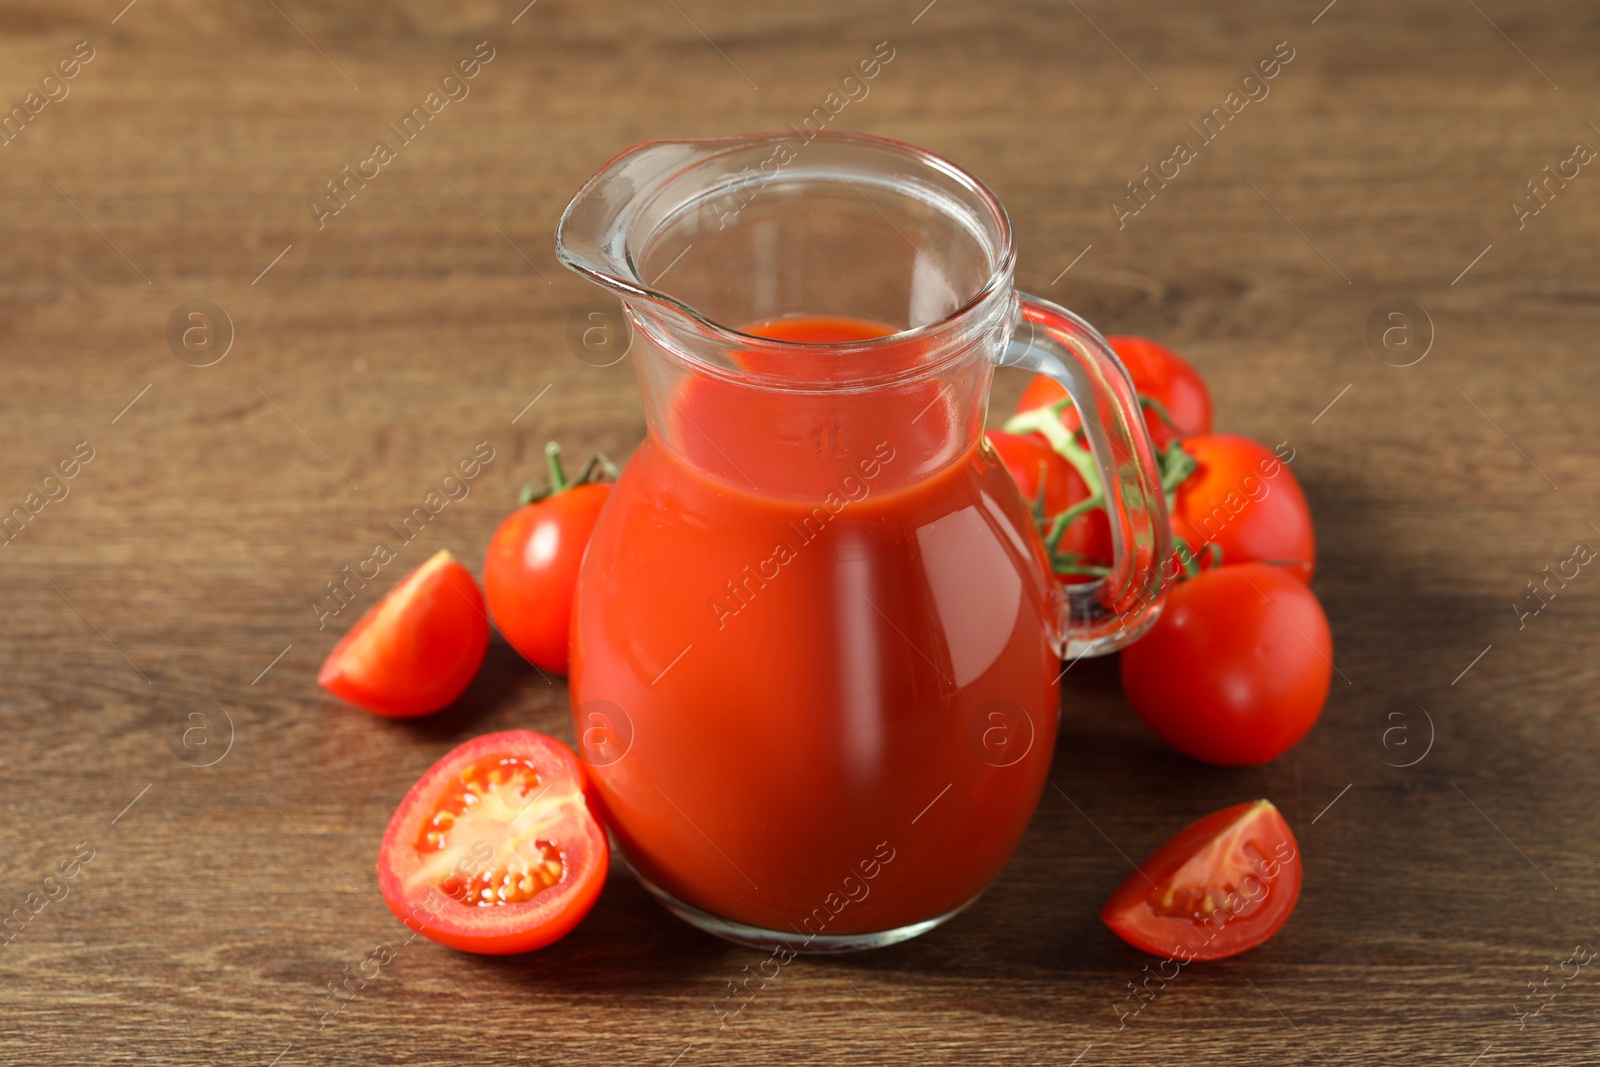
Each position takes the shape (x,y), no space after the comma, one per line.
(598,468)
(1071,563)
(1038,498)
(1046,422)
(558,477)
(1192,567)
(1058,524)
(1176,465)
(1161,412)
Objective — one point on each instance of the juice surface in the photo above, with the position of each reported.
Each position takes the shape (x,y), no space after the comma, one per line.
(819,329)
(834,664)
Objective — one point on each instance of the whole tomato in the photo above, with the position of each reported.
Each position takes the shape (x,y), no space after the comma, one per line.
(1242,498)
(1236,669)
(531,572)
(1035,466)
(1159,374)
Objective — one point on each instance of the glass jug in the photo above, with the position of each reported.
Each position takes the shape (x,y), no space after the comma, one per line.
(816,645)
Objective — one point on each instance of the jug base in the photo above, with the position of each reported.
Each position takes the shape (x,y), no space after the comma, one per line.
(801,944)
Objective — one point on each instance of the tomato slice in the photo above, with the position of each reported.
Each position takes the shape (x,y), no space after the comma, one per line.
(417,649)
(495,850)
(1222,885)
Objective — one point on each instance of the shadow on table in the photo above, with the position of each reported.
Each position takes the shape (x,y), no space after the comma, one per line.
(509,692)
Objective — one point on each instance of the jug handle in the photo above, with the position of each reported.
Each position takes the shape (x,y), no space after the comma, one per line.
(1102,616)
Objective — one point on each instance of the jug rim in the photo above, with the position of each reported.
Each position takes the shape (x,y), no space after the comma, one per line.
(1002,251)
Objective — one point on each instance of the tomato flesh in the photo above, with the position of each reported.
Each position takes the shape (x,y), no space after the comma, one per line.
(1158,373)
(476,807)
(495,850)
(416,650)
(1224,884)
(531,571)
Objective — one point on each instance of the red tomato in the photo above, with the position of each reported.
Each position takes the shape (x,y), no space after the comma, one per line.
(1032,463)
(495,850)
(1247,502)
(1236,669)
(1223,885)
(1158,373)
(417,649)
(531,572)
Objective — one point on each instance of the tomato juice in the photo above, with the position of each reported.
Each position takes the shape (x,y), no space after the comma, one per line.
(829,631)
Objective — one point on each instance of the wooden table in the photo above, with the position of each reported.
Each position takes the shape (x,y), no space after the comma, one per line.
(173,588)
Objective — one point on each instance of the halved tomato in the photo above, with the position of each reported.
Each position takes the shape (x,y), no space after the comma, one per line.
(417,649)
(495,850)
(1222,885)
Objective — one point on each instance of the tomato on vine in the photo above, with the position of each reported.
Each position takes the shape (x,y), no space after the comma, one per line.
(1233,498)
(531,572)
(1176,400)
(1074,528)
(1176,403)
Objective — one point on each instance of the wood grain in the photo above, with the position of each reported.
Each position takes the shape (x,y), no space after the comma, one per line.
(425,316)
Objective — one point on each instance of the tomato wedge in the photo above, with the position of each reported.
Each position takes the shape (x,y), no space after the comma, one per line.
(495,850)
(417,649)
(1222,885)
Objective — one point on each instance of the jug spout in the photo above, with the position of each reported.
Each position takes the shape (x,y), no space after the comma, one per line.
(624,200)
(721,252)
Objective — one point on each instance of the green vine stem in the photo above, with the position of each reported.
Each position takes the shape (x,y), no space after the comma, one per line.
(1152,404)
(1072,563)
(1174,463)
(1038,498)
(1046,422)
(598,468)
(1058,525)
(1191,566)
